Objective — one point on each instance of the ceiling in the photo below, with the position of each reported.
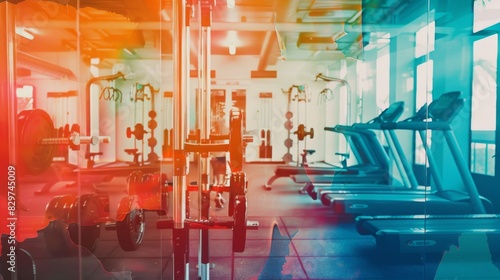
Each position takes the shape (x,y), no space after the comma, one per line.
(293,30)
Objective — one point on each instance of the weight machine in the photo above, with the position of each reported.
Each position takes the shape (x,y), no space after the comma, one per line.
(89,154)
(266,106)
(138,93)
(302,95)
(180,224)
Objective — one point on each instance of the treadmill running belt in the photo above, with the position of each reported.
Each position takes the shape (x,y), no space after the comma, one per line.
(433,234)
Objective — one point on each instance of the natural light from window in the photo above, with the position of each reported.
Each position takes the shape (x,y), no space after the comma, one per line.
(483,113)
(485,14)
(424,40)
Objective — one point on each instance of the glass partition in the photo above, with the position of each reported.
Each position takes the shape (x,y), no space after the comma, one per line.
(248,139)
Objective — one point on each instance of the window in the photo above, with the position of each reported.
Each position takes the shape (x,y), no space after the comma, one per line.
(485,14)
(423,96)
(483,114)
(424,40)
(383,85)
(24,98)
(424,45)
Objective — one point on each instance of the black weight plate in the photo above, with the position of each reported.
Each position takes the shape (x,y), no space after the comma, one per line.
(34,125)
(240,224)
(236,141)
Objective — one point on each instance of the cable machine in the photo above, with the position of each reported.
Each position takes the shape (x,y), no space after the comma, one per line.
(266,107)
(301,95)
(201,144)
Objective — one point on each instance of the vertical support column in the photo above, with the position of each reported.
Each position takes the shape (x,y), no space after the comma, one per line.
(8,112)
(8,81)
(8,76)
(180,236)
(205,13)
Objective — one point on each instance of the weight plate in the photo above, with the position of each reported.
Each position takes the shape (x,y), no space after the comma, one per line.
(152,124)
(287,158)
(153,157)
(236,140)
(34,125)
(300,132)
(288,125)
(288,143)
(83,220)
(67,131)
(130,231)
(311,133)
(152,142)
(133,181)
(288,115)
(238,186)
(129,132)
(75,128)
(139,131)
(240,224)
(152,114)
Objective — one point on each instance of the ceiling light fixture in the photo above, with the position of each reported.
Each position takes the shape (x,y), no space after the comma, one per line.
(232,48)
(164,15)
(21,31)
(231,3)
(130,52)
(355,17)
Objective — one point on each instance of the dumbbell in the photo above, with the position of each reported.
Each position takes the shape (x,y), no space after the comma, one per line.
(302,133)
(138,131)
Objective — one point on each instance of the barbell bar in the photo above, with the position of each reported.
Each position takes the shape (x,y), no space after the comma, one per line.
(37,143)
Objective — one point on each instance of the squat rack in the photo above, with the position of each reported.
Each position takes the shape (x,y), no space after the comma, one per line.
(180,224)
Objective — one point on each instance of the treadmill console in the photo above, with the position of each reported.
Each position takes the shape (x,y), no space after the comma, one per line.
(446,107)
(391,114)
(442,109)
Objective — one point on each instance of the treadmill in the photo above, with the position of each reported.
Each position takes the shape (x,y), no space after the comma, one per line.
(366,182)
(417,234)
(436,117)
(373,166)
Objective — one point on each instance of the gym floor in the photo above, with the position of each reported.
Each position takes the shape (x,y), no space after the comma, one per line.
(323,246)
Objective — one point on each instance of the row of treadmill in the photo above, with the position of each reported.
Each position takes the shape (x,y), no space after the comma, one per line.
(402,215)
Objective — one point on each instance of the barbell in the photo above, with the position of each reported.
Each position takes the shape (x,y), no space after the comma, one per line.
(36,141)
(302,133)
